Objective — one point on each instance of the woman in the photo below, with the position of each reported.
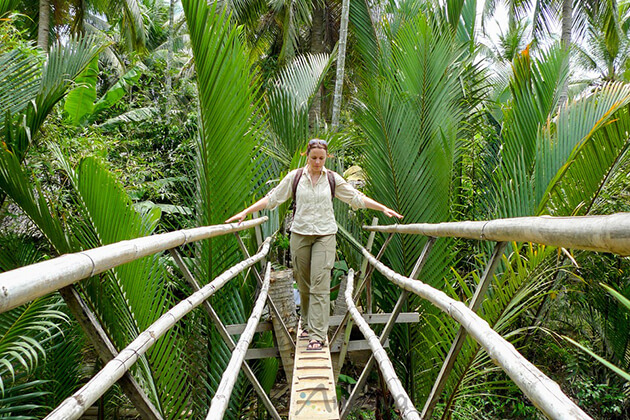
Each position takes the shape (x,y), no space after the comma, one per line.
(313,244)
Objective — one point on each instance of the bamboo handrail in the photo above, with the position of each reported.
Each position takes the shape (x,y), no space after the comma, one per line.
(222,396)
(593,233)
(77,404)
(401,399)
(542,391)
(24,284)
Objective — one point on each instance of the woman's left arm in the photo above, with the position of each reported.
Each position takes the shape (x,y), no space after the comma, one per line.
(348,194)
(375,205)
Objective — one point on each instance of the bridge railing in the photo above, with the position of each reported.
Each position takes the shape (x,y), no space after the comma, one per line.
(25,284)
(28,283)
(596,233)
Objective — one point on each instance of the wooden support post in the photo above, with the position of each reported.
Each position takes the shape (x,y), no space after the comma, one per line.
(106,351)
(364,265)
(272,305)
(422,259)
(259,239)
(360,289)
(225,335)
(460,337)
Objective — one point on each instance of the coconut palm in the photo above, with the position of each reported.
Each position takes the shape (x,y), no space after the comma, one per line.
(607,44)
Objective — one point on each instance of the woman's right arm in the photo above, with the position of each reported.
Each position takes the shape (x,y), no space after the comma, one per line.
(258,205)
(281,193)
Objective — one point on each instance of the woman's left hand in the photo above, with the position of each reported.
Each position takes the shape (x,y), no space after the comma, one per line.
(391,213)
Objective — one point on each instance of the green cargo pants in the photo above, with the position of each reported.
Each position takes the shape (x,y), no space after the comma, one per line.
(313,257)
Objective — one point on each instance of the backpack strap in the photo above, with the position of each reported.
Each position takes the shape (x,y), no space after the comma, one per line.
(331,182)
(296,180)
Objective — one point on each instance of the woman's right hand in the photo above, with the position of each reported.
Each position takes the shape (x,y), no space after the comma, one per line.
(238,216)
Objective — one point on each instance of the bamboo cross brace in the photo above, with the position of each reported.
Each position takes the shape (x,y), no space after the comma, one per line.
(415,272)
(107,351)
(460,337)
(224,390)
(360,289)
(77,404)
(272,305)
(542,391)
(223,332)
(401,399)
(24,284)
(364,266)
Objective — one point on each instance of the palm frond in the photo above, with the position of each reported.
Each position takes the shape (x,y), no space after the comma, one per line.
(23,334)
(14,182)
(65,62)
(227,168)
(20,76)
(80,100)
(132,116)
(21,401)
(579,150)
(290,99)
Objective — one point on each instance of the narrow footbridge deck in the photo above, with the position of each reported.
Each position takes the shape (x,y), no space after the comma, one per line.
(313,393)
(313,374)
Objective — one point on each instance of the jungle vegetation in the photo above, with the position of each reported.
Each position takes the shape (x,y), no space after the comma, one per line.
(120,119)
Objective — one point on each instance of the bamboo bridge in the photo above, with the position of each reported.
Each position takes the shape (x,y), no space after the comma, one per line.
(312,375)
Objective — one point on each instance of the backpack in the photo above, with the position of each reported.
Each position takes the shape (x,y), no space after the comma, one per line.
(298,174)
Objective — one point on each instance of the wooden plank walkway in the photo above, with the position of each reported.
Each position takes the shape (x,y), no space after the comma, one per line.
(313,394)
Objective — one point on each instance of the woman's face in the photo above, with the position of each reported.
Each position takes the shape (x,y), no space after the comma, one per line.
(317,159)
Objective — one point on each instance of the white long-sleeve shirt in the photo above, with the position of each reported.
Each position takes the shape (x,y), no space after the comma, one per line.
(314,211)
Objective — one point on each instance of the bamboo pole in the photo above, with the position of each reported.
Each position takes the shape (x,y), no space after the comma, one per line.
(594,233)
(74,406)
(225,335)
(460,337)
(401,399)
(222,396)
(364,281)
(28,283)
(106,351)
(389,326)
(542,391)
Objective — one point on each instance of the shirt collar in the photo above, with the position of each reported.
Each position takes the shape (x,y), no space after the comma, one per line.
(308,174)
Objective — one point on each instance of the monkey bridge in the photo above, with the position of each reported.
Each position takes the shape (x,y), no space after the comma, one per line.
(312,374)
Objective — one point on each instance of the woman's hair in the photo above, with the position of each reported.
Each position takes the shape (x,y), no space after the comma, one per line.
(316,144)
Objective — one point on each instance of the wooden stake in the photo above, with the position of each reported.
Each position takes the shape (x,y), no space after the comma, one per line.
(106,351)
(223,332)
(460,337)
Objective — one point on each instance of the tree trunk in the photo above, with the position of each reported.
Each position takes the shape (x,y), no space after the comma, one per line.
(341,61)
(43,31)
(317,47)
(169,58)
(565,40)
(567,23)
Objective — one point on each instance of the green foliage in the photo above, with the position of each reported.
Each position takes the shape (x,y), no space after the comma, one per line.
(24,332)
(80,101)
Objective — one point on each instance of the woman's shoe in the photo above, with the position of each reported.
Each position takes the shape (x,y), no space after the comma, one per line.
(304,334)
(315,345)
